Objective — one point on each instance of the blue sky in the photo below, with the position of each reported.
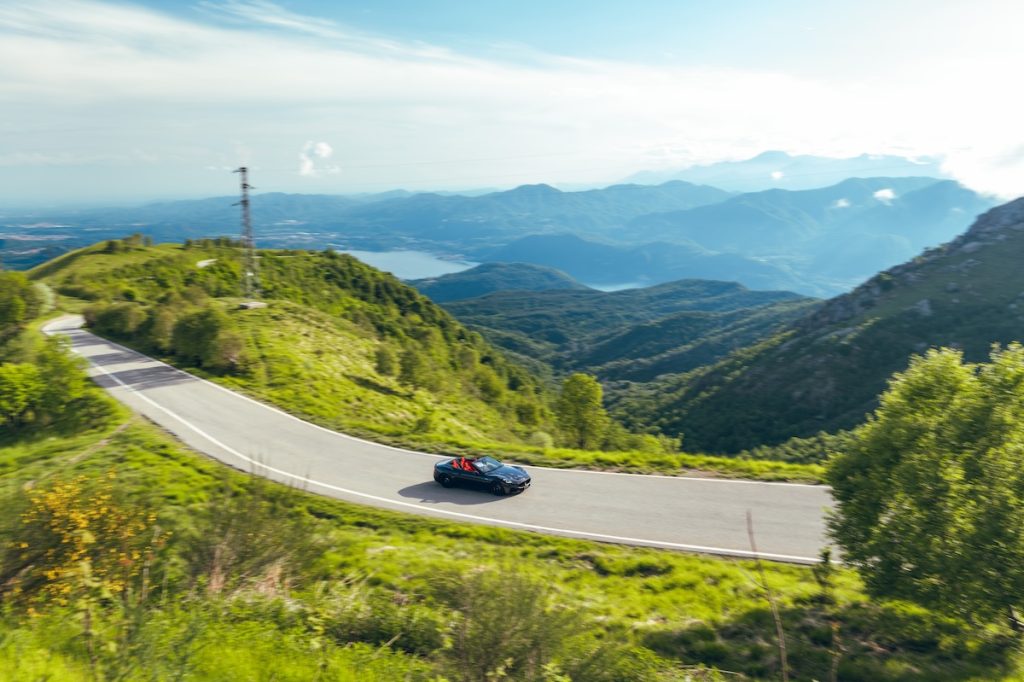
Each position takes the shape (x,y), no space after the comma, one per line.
(122,101)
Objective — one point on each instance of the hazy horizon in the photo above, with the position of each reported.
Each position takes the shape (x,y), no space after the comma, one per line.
(122,103)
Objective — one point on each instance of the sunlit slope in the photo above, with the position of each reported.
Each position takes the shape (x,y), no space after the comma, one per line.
(826,370)
(632,334)
(339,341)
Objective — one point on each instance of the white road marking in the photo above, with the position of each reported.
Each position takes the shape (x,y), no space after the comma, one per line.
(356,439)
(430,510)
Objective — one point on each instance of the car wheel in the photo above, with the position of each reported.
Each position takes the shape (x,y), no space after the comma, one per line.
(499,488)
(445,481)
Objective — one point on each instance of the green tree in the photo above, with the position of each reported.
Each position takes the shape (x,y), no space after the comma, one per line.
(119,319)
(225,352)
(19,302)
(64,380)
(161,327)
(386,361)
(489,384)
(21,388)
(415,370)
(195,334)
(930,491)
(579,411)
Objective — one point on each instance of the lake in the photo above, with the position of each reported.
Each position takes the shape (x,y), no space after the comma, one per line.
(410,264)
(421,265)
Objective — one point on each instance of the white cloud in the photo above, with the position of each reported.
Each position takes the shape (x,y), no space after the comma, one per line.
(885,195)
(777,175)
(307,162)
(841,203)
(323,150)
(411,114)
(271,15)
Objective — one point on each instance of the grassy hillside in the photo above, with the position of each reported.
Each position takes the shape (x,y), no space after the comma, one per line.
(825,372)
(340,342)
(490,277)
(309,588)
(599,263)
(348,347)
(685,341)
(834,236)
(634,333)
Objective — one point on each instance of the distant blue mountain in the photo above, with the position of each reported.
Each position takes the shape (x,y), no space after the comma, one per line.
(834,236)
(818,242)
(609,265)
(490,277)
(524,210)
(779,170)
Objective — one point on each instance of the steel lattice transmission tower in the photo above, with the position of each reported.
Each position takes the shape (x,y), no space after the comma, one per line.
(250,274)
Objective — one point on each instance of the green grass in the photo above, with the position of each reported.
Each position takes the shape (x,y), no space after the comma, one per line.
(825,372)
(312,352)
(218,648)
(680,464)
(322,369)
(688,609)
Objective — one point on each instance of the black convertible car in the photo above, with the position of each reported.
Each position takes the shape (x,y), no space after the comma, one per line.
(485,473)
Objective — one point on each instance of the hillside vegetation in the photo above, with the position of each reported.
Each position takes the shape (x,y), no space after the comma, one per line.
(599,263)
(131,558)
(633,334)
(350,348)
(341,342)
(825,371)
(490,277)
(819,242)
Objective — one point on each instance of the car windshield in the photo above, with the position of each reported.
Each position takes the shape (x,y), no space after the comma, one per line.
(486,464)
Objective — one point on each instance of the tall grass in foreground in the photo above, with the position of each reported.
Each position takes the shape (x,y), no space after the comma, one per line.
(256,581)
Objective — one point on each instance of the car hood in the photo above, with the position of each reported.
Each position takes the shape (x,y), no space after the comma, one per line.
(511,473)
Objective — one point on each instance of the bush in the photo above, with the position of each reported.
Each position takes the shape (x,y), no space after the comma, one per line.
(541,439)
(119,319)
(251,538)
(75,537)
(161,327)
(226,352)
(195,334)
(507,624)
(386,361)
(379,617)
(21,389)
(19,302)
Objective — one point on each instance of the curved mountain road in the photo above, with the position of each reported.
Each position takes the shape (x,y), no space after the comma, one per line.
(694,514)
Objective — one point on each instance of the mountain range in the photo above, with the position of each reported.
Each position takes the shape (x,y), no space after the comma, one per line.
(612,266)
(633,333)
(834,236)
(490,277)
(818,242)
(779,170)
(824,371)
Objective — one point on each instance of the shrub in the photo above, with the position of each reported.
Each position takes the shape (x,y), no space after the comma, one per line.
(507,624)
(119,319)
(21,389)
(386,361)
(74,537)
(251,538)
(541,439)
(196,333)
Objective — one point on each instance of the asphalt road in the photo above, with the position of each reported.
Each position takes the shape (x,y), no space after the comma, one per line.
(692,514)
